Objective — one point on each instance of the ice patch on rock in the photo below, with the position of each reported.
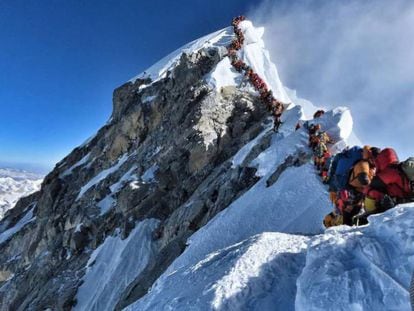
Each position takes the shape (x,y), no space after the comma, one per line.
(114,265)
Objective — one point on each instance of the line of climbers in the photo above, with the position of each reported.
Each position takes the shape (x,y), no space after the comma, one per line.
(362,180)
(274,106)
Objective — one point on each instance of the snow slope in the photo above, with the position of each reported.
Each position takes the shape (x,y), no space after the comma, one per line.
(257,57)
(250,275)
(295,203)
(160,69)
(114,265)
(15,184)
(268,249)
(27,218)
(365,268)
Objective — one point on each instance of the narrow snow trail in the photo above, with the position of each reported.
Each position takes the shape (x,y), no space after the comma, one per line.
(347,268)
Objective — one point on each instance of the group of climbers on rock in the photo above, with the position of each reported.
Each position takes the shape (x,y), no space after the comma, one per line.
(274,106)
(362,180)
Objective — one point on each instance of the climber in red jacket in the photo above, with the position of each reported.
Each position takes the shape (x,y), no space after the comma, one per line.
(390,185)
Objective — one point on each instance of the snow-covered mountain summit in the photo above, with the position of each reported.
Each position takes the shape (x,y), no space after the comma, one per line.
(187,199)
(15,184)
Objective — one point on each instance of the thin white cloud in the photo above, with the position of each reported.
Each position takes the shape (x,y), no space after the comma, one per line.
(354,53)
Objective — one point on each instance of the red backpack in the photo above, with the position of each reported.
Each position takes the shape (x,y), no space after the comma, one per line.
(386,157)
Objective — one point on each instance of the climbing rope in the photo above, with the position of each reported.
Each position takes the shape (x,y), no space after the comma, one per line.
(274,106)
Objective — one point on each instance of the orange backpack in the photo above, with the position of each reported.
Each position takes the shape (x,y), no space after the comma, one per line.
(361,175)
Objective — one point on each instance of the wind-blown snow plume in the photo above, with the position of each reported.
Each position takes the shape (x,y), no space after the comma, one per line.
(353,53)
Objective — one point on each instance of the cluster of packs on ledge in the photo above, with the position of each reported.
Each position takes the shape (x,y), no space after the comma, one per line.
(362,180)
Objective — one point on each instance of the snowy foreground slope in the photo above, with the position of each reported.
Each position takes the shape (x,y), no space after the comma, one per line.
(15,184)
(366,268)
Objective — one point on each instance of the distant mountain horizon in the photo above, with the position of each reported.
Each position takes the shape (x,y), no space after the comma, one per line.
(37,168)
(15,184)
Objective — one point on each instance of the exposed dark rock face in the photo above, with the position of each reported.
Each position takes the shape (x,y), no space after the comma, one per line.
(177,129)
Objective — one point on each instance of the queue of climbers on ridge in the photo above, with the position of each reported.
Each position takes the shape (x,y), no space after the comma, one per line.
(362,180)
(274,106)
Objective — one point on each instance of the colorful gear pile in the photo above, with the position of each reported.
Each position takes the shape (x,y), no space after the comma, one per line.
(274,106)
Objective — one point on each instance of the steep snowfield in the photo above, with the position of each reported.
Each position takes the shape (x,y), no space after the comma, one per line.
(241,273)
(295,203)
(257,57)
(113,266)
(268,249)
(27,218)
(15,184)
(256,274)
(160,69)
(365,268)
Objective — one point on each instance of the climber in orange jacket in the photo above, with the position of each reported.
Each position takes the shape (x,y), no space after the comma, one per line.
(364,170)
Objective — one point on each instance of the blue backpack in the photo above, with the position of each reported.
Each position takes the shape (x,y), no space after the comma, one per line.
(341,167)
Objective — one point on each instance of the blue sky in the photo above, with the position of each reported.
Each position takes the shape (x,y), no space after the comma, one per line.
(61,60)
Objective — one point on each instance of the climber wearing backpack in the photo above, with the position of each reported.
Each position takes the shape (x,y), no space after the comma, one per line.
(239,65)
(364,170)
(348,203)
(346,200)
(318,114)
(313,135)
(276,111)
(321,151)
(392,184)
(341,166)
